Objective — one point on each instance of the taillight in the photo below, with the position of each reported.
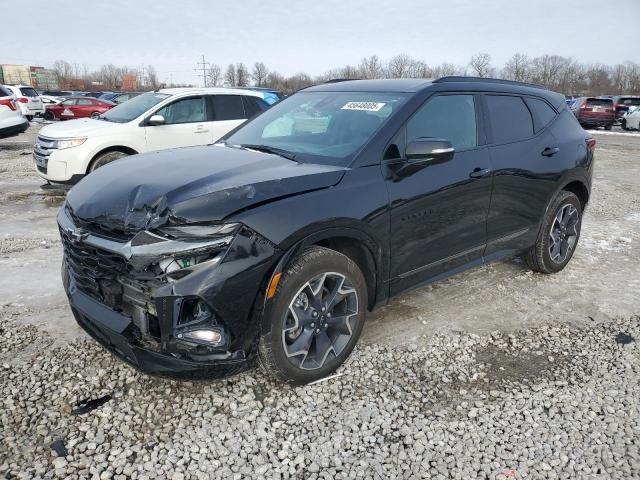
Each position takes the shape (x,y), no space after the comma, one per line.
(23,100)
(591,144)
(9,103)
(586,108)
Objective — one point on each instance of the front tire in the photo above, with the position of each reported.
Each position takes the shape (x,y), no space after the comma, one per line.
(559,235)
(103,159)
(316,317)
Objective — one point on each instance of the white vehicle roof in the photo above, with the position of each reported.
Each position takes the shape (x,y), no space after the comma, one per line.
(211,90)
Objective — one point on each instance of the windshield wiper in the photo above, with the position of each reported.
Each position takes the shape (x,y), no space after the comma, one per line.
(273,150)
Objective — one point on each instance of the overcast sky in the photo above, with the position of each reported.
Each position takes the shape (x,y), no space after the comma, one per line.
(312,36)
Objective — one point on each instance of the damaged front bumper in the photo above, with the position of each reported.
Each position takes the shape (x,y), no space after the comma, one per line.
(195,322)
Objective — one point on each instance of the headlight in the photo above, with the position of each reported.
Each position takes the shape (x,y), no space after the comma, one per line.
(198,231)
(69,142)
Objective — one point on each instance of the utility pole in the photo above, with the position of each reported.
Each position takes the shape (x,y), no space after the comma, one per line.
(141,75)
(204,64)
(75,67)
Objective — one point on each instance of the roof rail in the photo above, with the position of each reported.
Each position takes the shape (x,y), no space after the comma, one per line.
(338,80)
(454,78)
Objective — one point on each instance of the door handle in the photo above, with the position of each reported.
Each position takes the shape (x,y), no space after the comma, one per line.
(201,131)
(479,172)
(550,152)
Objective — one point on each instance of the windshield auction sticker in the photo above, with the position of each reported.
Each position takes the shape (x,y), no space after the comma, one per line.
(366,106)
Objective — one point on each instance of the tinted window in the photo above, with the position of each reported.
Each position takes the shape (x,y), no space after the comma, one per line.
(253,106)
(510,118)
(83,101)
(4,92)
(28,92)
(451,117)
(543,114)
(227,107)
(127,111)
(73,101)
(629,101)
(600,102)
(186,110)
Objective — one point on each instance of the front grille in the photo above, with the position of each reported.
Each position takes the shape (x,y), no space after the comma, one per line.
(94,270)
(41,151)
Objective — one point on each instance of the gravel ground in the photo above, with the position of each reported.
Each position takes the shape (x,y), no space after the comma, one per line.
(494,373)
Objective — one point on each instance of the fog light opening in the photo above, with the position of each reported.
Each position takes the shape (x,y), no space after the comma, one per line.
(205,335)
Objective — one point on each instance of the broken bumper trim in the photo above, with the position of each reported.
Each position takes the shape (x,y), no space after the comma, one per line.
(111,330)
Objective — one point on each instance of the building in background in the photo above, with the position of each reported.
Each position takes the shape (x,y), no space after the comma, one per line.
(44,79)
(15,75)
(129,83)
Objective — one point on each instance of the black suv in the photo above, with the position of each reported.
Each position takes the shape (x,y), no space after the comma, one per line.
(272,244)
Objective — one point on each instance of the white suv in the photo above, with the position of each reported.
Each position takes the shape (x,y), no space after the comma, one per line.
(28,100)
(11,119)
(178,117)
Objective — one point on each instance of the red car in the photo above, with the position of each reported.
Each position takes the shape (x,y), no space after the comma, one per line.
(621,104)
(78,107)
(594,112)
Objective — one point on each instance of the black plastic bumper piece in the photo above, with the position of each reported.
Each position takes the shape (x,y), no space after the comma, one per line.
(113,331)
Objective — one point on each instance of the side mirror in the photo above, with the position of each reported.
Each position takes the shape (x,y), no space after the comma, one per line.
(156,120)
(419,154)
(429,150)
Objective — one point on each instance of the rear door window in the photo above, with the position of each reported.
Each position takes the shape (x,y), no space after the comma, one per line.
(69,102)
(83,101)
(227,107)
(510,118)
(4,92)
(542,112)
(450,117)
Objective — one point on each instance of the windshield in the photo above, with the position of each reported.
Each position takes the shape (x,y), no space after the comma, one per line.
(127,111)
(320,127)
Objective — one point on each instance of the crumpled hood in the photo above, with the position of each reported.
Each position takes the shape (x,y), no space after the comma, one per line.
(77,128)
(195,184)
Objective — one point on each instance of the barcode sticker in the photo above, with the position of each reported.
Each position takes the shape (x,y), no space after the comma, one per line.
(366,106)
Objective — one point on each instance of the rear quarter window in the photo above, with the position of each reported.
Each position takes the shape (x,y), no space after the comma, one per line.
(542,113)
(509,117)
(5,92)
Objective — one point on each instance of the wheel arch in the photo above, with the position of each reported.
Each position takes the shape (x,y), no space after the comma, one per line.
(113,148)
(580,190)
(355,244)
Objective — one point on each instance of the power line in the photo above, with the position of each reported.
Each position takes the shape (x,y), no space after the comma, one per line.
(204,64)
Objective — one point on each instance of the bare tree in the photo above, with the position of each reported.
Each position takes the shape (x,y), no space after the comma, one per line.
(371,67)
(214,75)
(152,77)
(242,75)
(480,65)
(63,69)
(517,68)
(230,78)
(400,66)
(259,74)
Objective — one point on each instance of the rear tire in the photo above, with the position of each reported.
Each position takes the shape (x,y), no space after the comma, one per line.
(48,115)
(103,159)
(559,235)
(301,342)
(95,114)
(608,127)
(29,117)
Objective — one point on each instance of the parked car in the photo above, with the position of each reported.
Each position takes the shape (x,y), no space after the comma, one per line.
(108,96)
(57,93)
(157,120)
(621,104)
(570,100)
(123,97)
(631,120)
(594,112)
(78,107)
(271,96)
(273,243)
(11,119)
(28,100)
